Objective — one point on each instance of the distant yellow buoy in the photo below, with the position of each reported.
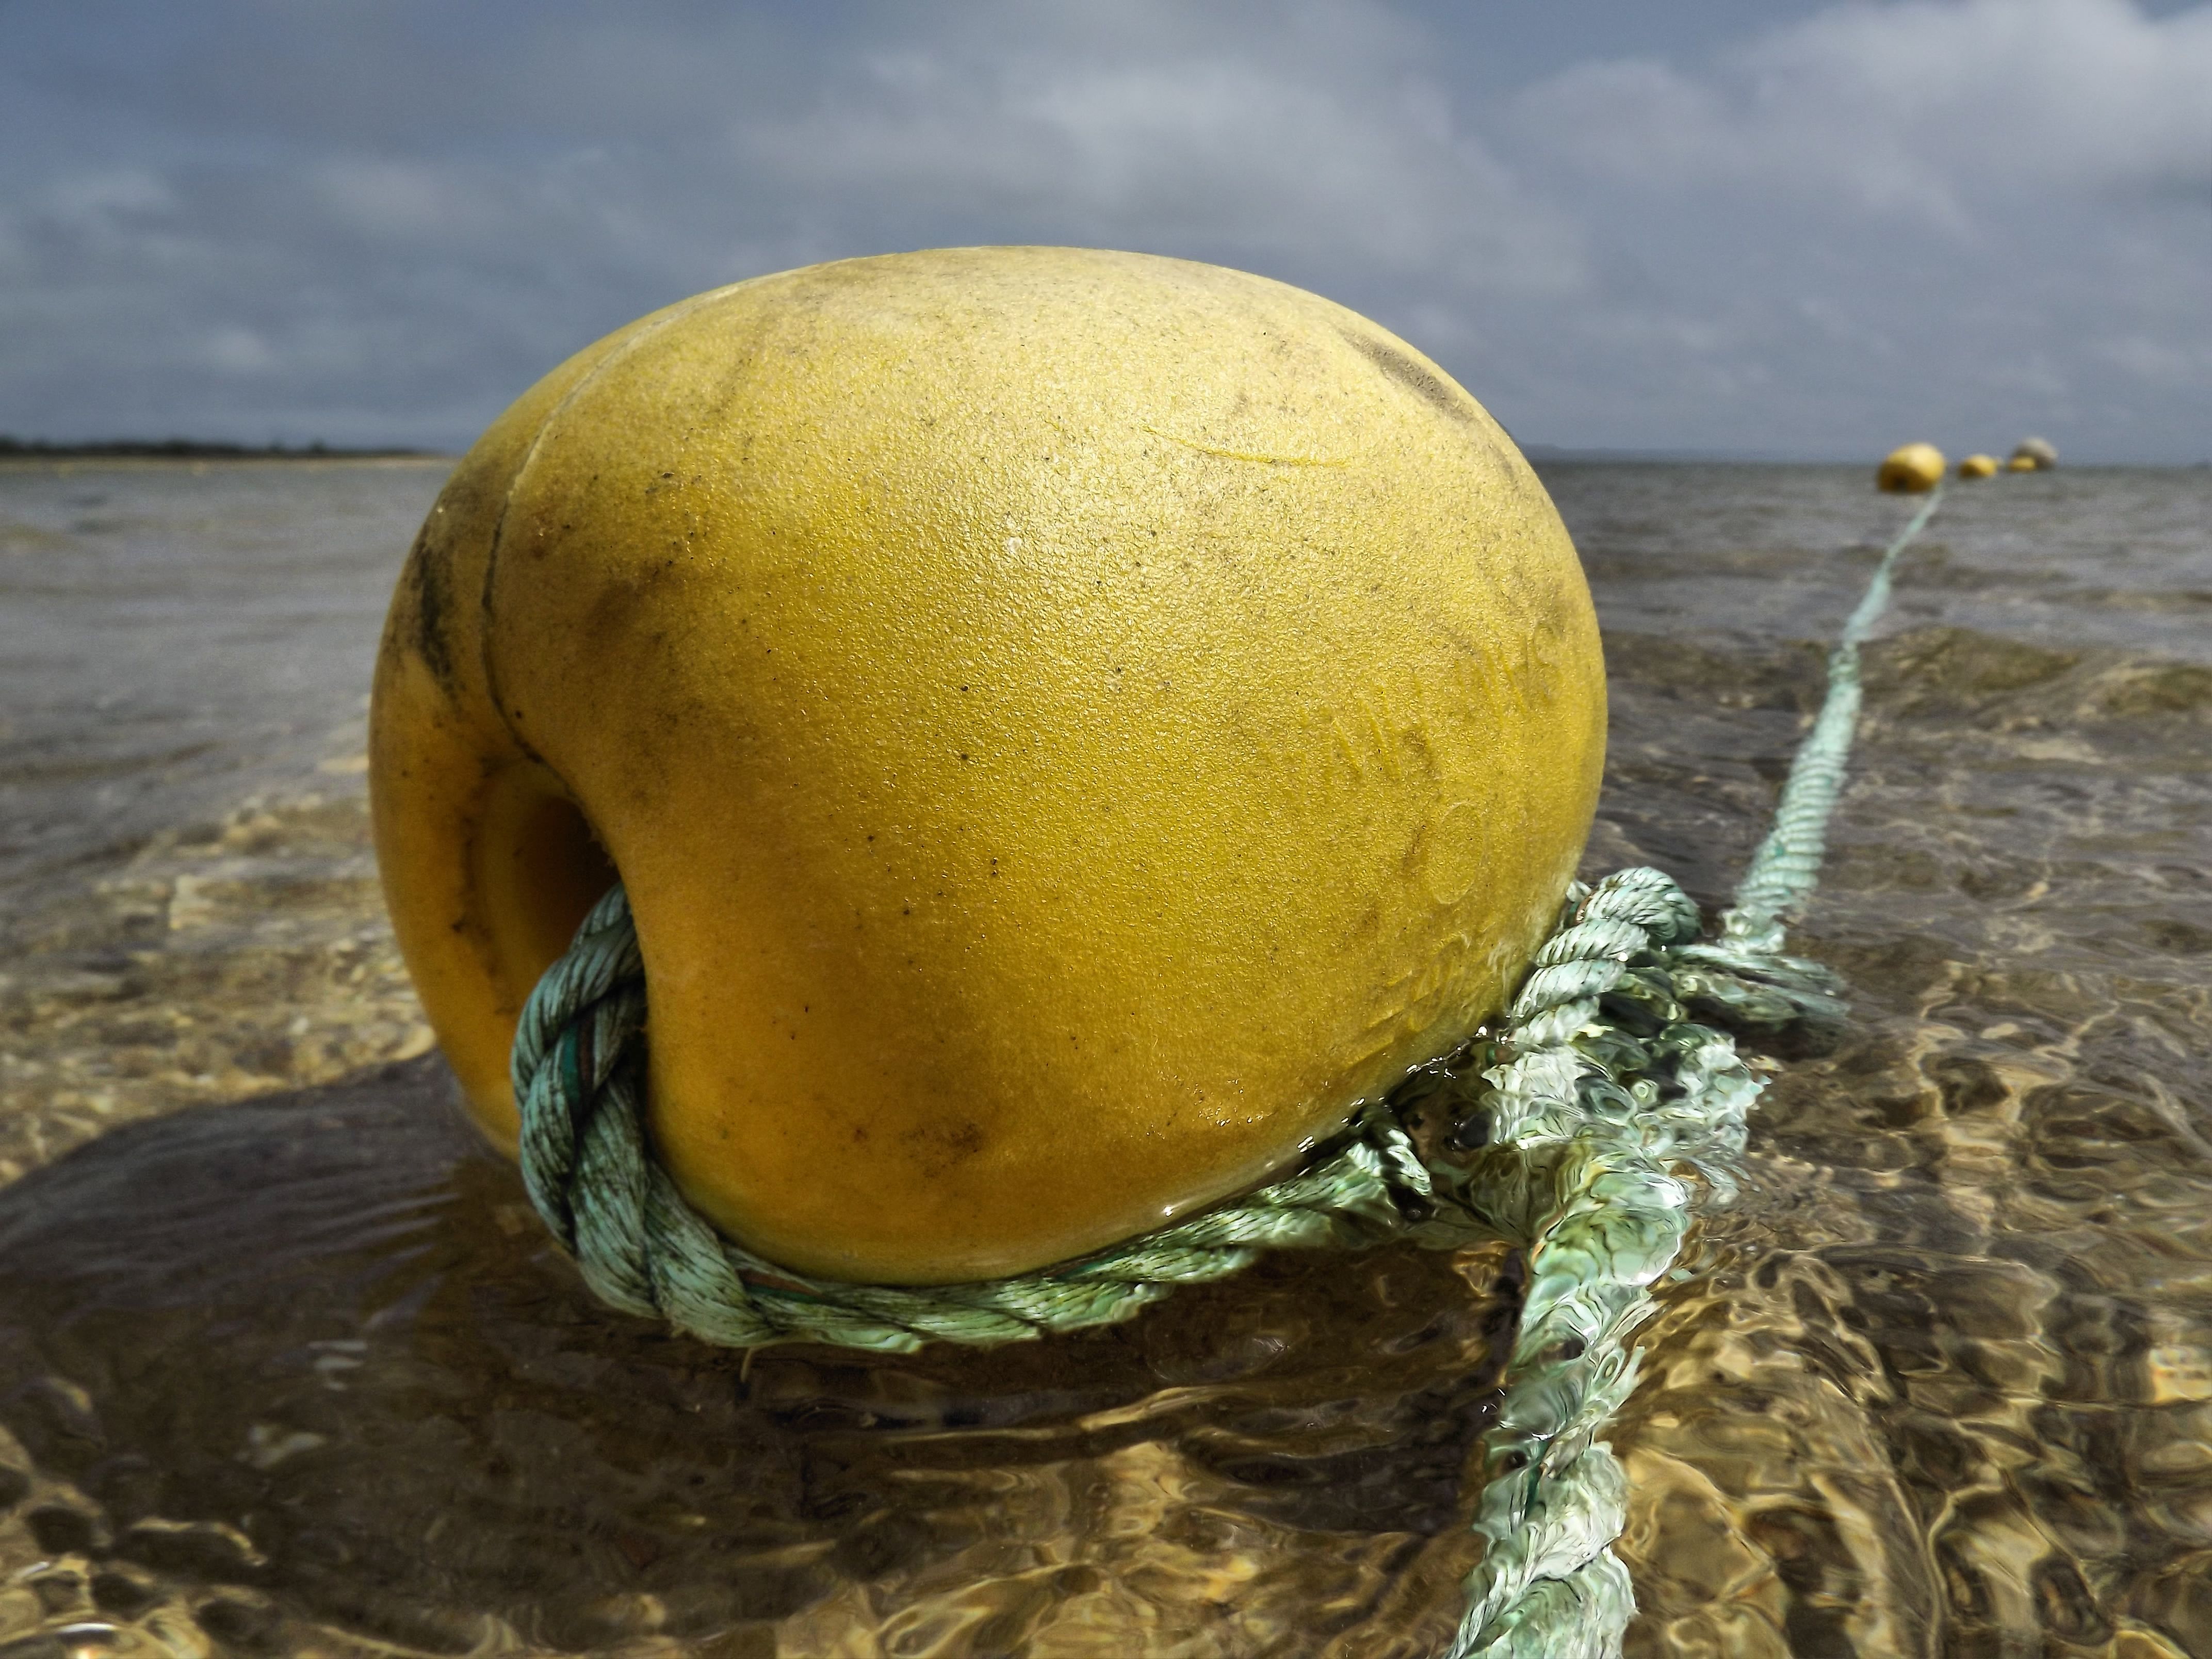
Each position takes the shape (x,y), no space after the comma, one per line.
(1911,471)
(1977,466)
(2022,463)
(2037,453)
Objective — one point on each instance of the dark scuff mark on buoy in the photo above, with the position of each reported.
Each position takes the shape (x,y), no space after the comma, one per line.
(938,1149)
(426,582)
(1424,382)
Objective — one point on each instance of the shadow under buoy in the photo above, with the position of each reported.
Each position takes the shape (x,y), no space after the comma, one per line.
(309,1364)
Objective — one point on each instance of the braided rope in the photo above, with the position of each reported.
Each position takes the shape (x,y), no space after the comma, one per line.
(1787,866)
(1607,1092)
(577,1074)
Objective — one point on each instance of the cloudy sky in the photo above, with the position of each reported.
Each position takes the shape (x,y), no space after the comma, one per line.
(1743,225)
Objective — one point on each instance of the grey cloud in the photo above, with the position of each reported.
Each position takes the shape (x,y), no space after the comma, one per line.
(1198,149)
(1916,106)
(1944,214)
(1818,235)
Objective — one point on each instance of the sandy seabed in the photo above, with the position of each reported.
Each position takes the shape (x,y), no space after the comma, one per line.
(287,1365)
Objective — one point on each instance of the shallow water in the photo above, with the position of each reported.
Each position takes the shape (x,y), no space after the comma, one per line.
(295,1370)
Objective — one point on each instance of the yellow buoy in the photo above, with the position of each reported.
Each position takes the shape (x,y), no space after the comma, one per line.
(1912,470)
(2022,463)
(1977,466)
(1071,725)
(2037,453)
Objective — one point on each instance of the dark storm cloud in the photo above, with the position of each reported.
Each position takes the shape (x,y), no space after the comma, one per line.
(1734,226)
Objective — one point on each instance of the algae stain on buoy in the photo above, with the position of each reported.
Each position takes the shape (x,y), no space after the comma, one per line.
(1977,466)
(1072,725)
(1913,470)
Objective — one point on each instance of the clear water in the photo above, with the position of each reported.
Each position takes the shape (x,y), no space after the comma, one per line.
(293,1370)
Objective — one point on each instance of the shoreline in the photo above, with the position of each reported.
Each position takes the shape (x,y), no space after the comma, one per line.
(202,449)
(18,454)
(19,461)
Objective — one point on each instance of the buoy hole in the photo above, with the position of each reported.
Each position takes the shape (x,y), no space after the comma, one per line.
(563,872)
(539,869)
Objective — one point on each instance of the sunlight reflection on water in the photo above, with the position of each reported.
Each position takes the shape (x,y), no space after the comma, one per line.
(300,1373)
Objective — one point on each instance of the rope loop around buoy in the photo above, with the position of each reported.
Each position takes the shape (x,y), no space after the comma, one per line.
(1562,1067)
(1581,1127)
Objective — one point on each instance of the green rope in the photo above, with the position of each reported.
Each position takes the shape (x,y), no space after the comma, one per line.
(1572,1130)
(579,1067)
(1787,866)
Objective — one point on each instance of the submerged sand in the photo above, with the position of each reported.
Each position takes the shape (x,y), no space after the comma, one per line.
(286,1365)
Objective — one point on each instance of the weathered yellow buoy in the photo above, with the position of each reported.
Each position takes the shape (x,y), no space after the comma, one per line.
(2022,463)
(2037,453)
(1070,725)
(1977,466)
(1912,470)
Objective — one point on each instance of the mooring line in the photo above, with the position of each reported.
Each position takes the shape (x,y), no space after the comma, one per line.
(1613,1089)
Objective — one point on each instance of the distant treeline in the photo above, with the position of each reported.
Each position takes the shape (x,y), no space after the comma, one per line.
(190,449)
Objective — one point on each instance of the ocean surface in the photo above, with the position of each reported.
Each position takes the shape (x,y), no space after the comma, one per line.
(287,1365)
